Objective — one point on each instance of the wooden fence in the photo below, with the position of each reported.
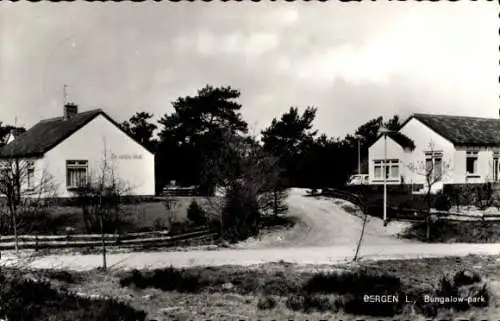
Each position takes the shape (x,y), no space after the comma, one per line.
(93,240)
(406,214)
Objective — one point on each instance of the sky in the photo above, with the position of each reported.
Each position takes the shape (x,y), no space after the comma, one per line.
(353,61)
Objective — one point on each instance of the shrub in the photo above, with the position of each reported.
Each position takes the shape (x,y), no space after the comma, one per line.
(28,300)
(169,279)
(280,285)
(310,302)
(295,302)
(317,303)
(266,303)
(463,284)
(442,203)
(355,304)
(464,277)
(63,276)
(359,282)
(196,214)
(241,217)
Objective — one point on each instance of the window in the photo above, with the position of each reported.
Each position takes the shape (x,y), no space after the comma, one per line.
(30,175)
(391,171)
(76,173)
(434,165)
(471,163)
(378,169)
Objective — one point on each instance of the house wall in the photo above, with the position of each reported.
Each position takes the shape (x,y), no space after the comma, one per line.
(426,139)
(376,152)
(412,162)
(484,165)
(132,163)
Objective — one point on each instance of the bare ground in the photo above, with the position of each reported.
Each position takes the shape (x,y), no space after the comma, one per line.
(327,234)
(232,305)
(324,221)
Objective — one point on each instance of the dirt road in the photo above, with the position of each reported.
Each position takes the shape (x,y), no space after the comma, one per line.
(327,234)
(325,221)
(246,257)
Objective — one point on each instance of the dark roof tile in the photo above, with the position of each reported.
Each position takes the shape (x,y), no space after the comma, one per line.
(464,131)
(46,134)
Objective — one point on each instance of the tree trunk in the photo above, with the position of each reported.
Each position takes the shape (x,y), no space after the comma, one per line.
(360,237)
(104,263)
(428,228)
(101,223)
(14,227)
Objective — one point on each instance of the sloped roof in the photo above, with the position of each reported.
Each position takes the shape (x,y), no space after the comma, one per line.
(48,133)
(403,140)
(462,130)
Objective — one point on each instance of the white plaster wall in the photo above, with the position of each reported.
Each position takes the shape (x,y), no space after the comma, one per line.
(132,163)
(422,136)
(484,166)
(376,152)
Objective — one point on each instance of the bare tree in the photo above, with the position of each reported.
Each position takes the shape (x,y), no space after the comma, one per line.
(100,196)
(434,169)
(22,186)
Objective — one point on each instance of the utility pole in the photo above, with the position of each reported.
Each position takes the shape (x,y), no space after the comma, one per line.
(385,179)
(359,156)
(65,94)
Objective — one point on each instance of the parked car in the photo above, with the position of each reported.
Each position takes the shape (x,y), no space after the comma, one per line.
(358,179)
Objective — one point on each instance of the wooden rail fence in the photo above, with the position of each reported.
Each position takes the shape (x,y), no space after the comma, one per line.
(409,214)
(92,240)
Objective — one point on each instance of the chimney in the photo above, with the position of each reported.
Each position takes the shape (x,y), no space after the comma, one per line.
(70,110)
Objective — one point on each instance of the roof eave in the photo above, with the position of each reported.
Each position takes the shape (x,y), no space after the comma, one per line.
(22,156)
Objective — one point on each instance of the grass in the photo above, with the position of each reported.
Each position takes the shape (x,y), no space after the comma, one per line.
(138,217)
(445,231)
(331,291)
(25,299)
(285,291)
(278,291)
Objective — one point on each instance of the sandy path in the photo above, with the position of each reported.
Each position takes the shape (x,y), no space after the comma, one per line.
(323,222)
(327,234)
(245,257)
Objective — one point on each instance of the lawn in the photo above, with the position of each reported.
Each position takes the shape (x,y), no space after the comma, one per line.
(138,217)
(264,292)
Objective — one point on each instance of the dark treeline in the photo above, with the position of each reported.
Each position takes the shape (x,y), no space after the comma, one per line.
(207,132)
(196,132)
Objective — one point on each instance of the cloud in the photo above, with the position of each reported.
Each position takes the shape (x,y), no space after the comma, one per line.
(354,62)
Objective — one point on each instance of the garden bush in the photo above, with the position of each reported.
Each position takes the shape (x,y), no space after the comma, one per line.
(442,203)
(196,214)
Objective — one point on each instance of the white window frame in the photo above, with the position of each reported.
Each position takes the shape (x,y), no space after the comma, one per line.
(75,165)
(472,155)
(433,156)
(390,165)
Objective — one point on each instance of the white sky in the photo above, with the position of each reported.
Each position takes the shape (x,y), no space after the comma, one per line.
(354,61)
